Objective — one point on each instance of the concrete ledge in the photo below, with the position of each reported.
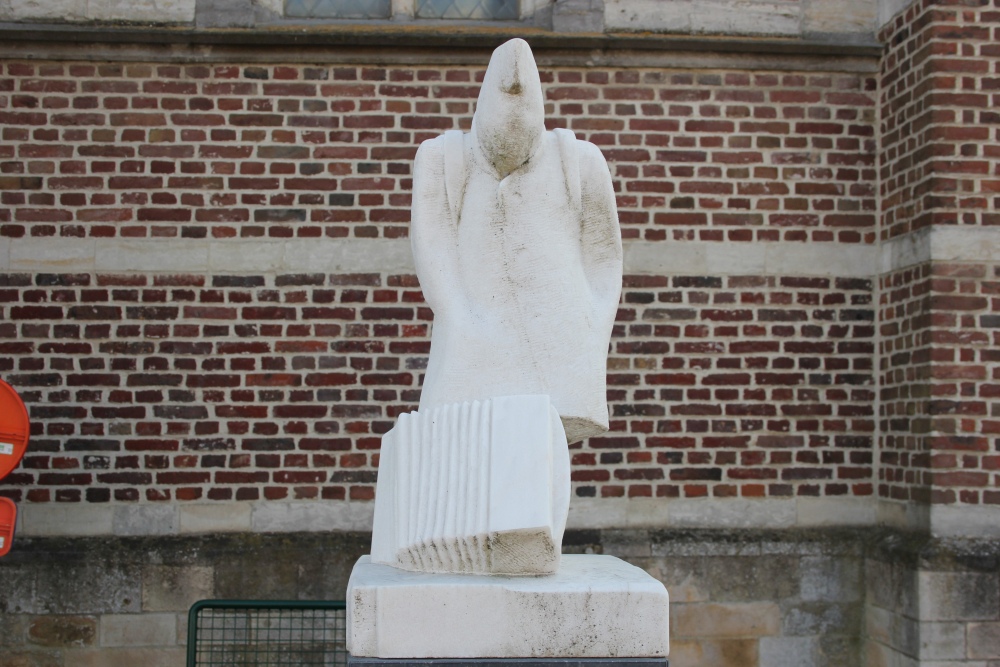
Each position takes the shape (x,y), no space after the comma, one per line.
(145,519)
(712,513)
(482,39)
(394,255)
(940,244)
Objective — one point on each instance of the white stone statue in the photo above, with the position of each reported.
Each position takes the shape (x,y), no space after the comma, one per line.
(518,250)
(516,242)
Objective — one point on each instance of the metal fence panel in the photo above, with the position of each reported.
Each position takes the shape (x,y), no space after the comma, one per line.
(267,633)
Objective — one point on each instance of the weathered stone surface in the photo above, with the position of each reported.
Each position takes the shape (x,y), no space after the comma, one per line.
(30,659)
(984,640)
(752,619)
(891,586)
(175,588)
(942,641)
(63,631)
(13,629)
(578,16)
(830,579)
(291,565)
(147,629)
(717,652)
(224,13)
(127,657)
(70,588)
(954,596)
(788,651)
(593,607)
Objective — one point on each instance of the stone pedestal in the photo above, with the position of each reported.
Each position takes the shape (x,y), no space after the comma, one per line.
(506,662)
(594,607)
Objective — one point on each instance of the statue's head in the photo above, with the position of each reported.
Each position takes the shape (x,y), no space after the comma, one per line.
(510,115)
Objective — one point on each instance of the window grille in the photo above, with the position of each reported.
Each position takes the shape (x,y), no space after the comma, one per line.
(482,10)
(338,9)
(253,633)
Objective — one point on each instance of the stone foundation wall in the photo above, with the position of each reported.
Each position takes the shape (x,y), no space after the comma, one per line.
(810,598)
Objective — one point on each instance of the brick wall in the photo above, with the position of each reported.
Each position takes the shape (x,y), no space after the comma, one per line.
(939,163)
(253,385)
(193,387)
(939,150)
(229,151)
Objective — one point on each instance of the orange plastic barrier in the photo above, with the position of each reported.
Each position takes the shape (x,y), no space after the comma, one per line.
(8,519)
(13,429)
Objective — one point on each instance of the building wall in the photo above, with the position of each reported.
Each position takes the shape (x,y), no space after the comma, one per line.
(938,181)
(211,300)
(209,305)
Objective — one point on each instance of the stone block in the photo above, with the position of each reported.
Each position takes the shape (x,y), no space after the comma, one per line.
(276,517)
(829,579)
(593,607)
(60,10)
(887,9)
(224,14)
(64,519)
(714,652)
(628,544)
(752,619)
(63,631)
(905,634)
(958,596)
(984,640)
(353,661)
(840,17)
(129,630)
(839,650)
(878,624)
(126,657)
(175,588)
(135,255)
(802,619)
(788,651)
(684,578)
(578,16)
(154,11)
(215,518)
(942,641)
(13,629)
(31,659)
(160,519)
(891,586)
(749,579)
(71,588)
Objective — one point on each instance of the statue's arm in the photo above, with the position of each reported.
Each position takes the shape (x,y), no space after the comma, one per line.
(433,236)
(600,234)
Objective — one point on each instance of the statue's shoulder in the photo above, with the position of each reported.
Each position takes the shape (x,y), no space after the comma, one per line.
(580,150)
(430,149)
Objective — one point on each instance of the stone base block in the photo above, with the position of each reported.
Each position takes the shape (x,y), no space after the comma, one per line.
(593,607)
(506,662)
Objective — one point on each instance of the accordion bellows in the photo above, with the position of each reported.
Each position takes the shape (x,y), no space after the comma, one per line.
(477,487)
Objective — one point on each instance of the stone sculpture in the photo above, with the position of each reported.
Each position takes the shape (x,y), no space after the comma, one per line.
(474,487)
(517,246)
(516,242)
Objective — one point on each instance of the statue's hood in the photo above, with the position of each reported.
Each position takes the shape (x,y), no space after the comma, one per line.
(509,122)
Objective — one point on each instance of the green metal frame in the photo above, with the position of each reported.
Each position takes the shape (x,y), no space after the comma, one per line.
(272,630)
